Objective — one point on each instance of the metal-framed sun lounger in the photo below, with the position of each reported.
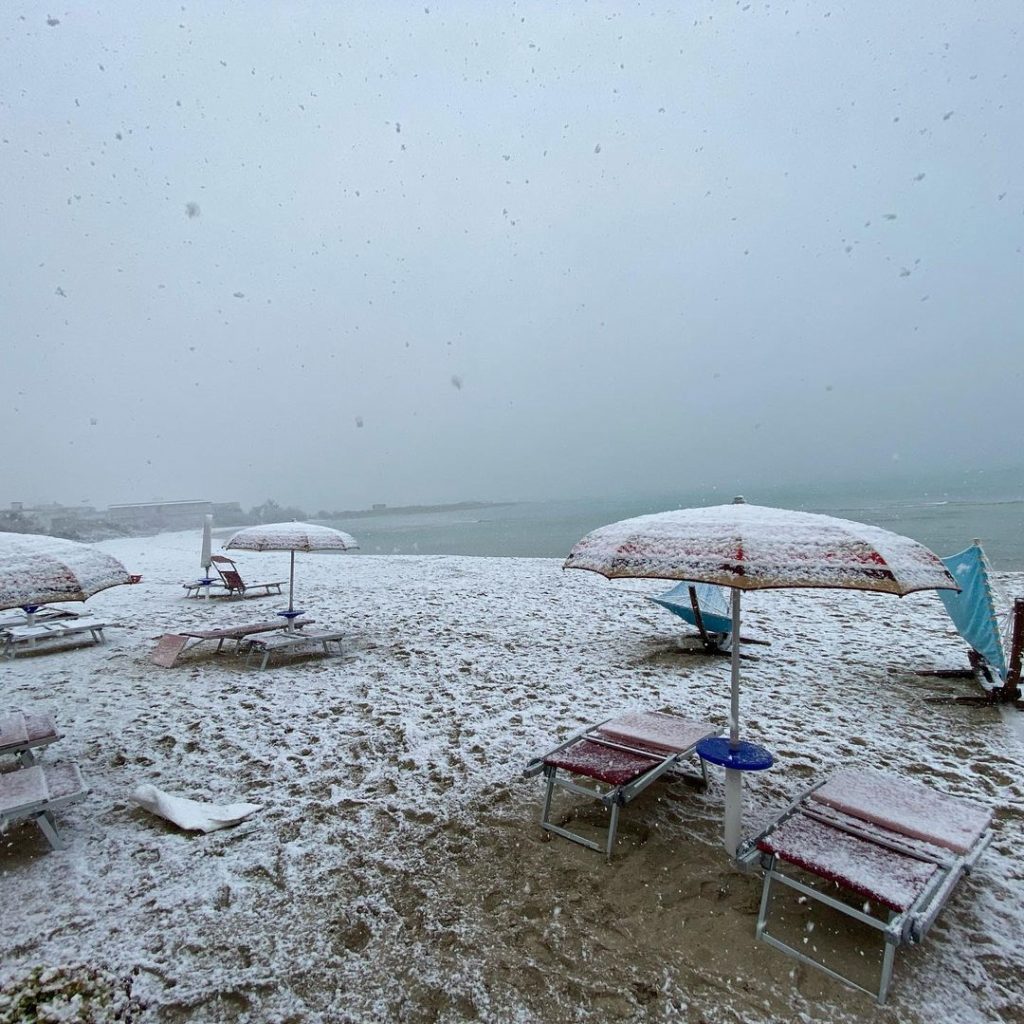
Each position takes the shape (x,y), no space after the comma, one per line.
(22,734)
(19,617)
(172,645)
(623,756)
(897,844)
(268,643)
(233,583)
(26,637)
(35,793)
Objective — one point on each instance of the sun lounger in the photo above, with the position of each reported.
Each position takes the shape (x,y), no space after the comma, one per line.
(22,734)
(235,585)
(270,643)
(172,645)
(19,617)
(35,793)
(26,637)
(899,845)
(622,756)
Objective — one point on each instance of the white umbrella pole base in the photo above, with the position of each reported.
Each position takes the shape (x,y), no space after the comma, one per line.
(733,811)
(736,758)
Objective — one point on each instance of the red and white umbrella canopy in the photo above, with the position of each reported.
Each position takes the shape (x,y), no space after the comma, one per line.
(751,547)
(291,537)
(36,570)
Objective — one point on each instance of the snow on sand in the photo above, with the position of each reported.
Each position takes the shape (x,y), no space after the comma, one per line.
(396,871)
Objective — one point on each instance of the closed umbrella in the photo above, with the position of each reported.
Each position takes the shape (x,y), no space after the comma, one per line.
(752,547)
(206,558)
(291,537)
(37,570)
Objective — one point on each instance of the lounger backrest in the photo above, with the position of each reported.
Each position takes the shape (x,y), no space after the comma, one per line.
(228,572)
(231,579)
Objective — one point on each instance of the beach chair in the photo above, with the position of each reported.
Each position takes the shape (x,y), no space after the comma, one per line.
(235,585)
(268,643)
(622,757)
(704,606)
(20,617)
(171,646)
(17,638)
(884,851)
(34,793)
(23,734)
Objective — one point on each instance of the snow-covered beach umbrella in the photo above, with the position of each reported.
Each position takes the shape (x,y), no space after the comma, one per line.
(753,547)
(37,570)
(291,537)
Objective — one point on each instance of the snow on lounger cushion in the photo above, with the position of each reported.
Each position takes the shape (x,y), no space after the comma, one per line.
(192,815)
(909,808)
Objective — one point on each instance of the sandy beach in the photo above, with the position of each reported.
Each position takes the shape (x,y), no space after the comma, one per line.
(396,871)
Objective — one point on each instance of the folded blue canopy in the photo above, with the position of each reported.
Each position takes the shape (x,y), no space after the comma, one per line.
(973,610)
(712,600)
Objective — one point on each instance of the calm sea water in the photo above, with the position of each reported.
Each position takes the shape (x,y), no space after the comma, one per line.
(549,529)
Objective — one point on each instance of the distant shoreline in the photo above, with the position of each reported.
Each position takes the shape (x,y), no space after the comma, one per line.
(391,510)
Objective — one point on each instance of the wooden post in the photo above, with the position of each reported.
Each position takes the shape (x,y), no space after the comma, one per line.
(699,619)
(1011,691)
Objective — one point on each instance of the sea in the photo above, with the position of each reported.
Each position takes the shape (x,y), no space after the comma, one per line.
(946,519)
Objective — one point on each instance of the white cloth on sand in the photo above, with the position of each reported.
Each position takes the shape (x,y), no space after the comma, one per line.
(191,814)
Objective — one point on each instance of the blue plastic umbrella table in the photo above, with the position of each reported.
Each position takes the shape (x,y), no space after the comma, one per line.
(753,547)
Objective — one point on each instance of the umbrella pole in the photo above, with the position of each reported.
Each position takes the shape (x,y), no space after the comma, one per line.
(291,582)
(734,778)
(734,722)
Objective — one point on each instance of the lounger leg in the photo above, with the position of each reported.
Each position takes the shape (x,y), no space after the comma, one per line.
(887,965)
(546,812)
(266,658)
(612,826)
(49,829)
(762,914)
(26,758)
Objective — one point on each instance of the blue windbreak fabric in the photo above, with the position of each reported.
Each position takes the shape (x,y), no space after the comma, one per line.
(973,610)
(713,602)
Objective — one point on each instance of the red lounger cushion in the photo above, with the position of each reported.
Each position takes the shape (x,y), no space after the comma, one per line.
(892,879)
(606,764)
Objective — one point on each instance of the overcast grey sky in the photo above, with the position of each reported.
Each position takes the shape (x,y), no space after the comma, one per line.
(339,253)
